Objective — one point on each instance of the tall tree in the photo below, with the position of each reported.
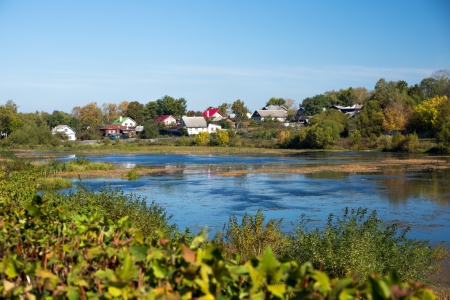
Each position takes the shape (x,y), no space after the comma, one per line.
(151,111)
(240,111)
(223,109)
(170,106)
(136,111)
(12,105)
(396,117)
(316,104)
(91,119)
(110,112)
(122,108)
(370,119)
(9,122)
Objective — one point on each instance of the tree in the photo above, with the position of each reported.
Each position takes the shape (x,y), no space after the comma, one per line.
(91,119)
(426,113)
(223,109)
(323,134)
(151,111)
(240,111)
(429,88)
(332,115)
(12,105)
(201,139)
(370,119)
(122,108)
(136,110)
(396,117)
(110,112)
(57,118)
(9,122)
(316,104)
(170,106)
(276,101)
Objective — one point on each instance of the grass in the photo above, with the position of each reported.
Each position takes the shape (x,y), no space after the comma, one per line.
(54,183)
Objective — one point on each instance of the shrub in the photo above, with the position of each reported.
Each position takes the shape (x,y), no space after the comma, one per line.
(358,244)
(411,143)
(201,139)
(397,141)
(183,141)
(252,236)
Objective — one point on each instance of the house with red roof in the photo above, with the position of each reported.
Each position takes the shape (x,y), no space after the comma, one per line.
(168,120)
(213,114)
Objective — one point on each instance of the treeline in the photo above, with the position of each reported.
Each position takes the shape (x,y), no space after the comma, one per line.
(420,110)
(109,244)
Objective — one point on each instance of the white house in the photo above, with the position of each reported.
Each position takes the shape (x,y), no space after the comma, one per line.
(168,120)
(125,121)
(212,128)
(278,115)
(66,130)
(194,125)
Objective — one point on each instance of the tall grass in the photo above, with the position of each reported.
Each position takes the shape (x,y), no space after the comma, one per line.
(53,183)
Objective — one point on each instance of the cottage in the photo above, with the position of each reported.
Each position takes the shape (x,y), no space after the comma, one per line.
(194,125)
(213,114)
(117,129)
(167,120)
(278,115)
(66,130)
(125,121)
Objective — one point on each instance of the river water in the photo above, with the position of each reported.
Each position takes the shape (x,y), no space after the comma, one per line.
(198,196)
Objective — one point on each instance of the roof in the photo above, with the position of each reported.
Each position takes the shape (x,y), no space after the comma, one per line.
(210,112)
(61,127)
(113,126)
(162,118)
(117,121)
(193,122)
(271,113)
(274,107)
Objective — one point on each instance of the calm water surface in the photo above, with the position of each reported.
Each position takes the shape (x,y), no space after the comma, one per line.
(196,196)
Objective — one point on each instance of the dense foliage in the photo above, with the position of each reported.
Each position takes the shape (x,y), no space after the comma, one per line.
(55,250)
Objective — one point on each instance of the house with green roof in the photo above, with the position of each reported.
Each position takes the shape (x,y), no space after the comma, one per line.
(125,121)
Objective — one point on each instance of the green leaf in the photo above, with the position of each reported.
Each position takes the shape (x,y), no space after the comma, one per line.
(268,262)
(322,283)
(139,237)
(114,291)
(11,267)
(278,290)
(139,252)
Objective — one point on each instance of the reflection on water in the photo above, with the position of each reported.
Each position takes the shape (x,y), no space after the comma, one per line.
(197,196)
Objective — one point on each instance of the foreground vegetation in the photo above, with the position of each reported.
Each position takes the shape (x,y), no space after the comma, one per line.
(107,244)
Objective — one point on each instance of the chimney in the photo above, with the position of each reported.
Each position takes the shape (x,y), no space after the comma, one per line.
(207,113)
(120,118)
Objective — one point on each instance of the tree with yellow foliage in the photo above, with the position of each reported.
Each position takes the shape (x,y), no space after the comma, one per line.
(396,117)
(426,113)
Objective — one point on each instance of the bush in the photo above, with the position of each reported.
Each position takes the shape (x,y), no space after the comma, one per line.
(183,141)
(358,244)
(201,139)
(411,143)
(252,236)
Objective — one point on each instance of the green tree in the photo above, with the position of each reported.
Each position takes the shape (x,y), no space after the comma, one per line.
(316,104)
(223,109)
(12,105)
(151,111)
(91,120)
(332,115)
(135,110)
(240,111)
(9,121)
(276,101)
(323,134)
(221,137)
(110,112)
(170,106)
(370,119)
(57,118)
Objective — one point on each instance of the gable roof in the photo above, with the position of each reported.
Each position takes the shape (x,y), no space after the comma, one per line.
(117,121)
(162,118)
(194,122)
(62,128)
(274,107)
(210,112)
(270,113)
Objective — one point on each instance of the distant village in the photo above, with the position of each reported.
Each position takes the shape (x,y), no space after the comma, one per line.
(210,121)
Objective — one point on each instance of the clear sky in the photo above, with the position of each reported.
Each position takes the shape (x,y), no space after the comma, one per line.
(55,55)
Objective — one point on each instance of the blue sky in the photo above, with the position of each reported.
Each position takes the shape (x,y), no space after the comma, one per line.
(55,55)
